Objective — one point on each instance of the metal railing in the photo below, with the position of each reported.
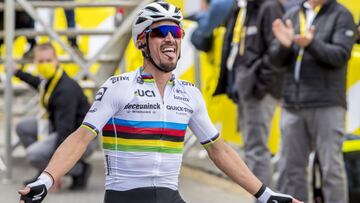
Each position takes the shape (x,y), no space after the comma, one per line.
(118,41)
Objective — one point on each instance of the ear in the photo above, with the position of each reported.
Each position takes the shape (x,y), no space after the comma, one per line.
(141,42)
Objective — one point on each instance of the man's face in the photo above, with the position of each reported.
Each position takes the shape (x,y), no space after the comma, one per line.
(165,50)
(46,63)
(45,56)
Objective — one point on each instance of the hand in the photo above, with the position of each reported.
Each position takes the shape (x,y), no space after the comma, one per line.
(283,32)
(15,68)
(35,192)
(304,40)
(269,196)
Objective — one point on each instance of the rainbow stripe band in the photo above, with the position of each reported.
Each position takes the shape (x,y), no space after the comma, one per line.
(147,124)
(129,148)
(212,140)
(90,127)
(144,136)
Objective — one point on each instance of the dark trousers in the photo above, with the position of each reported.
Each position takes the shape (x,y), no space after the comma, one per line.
(70,19)
(144,195)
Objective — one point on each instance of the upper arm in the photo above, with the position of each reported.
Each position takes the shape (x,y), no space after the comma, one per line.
(336,52)
(215,148)
(200,123)
(343,27)
(84,135)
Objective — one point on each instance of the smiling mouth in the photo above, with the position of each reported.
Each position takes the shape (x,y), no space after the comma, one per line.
(169,51)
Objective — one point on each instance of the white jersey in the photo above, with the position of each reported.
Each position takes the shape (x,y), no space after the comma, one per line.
(142,132)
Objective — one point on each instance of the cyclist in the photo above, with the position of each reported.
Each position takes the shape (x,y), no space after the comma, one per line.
(143,116)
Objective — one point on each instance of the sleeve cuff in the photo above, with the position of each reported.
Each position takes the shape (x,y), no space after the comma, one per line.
(212,140)
(91,128)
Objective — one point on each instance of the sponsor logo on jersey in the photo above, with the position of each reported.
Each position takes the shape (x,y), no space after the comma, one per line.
(181,98)
(101,92)
(179,108)
(142,106)
(119,78)
(146,93)
(93,110)
(180,91)
(185,83)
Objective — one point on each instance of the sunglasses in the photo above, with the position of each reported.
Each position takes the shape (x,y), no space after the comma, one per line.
(163,30)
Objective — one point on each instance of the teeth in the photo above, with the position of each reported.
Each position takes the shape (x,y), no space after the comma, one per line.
(168,49)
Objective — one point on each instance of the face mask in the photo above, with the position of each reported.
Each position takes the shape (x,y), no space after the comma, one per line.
(46,70)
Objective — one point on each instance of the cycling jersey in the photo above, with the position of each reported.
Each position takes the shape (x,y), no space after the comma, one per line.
(143,132)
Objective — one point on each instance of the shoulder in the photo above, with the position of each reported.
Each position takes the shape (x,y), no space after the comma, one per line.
(67,86)
(293,11)
(117,86)
(344,12)
(123,80)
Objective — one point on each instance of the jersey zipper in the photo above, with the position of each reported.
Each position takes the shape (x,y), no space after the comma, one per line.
(158,155)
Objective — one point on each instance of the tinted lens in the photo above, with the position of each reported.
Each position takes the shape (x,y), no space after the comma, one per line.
(163,30)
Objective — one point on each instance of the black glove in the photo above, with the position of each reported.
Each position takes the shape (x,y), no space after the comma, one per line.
(38,189)
(36,194)
(266,195)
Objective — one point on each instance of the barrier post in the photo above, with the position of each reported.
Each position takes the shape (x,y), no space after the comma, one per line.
(9,38)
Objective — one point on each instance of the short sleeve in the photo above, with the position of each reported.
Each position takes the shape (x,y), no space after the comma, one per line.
(200,123)
(106,104)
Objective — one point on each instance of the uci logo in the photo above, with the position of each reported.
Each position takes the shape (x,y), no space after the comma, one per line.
(147,93)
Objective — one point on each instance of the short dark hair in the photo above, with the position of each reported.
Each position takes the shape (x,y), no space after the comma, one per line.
(45,46)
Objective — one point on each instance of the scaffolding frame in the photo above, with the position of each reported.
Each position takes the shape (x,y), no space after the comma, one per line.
(119,39)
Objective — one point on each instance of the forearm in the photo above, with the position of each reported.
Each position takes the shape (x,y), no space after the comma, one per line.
(68,153)
(233,166)
(33,81)
(334,55)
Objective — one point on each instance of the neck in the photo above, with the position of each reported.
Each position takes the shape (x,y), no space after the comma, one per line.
(160,77)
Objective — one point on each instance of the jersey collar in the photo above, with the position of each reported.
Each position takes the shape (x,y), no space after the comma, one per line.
(148,78)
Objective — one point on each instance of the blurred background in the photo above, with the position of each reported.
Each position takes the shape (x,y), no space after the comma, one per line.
(104,48)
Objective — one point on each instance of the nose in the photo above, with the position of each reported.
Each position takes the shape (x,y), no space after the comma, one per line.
(169,37)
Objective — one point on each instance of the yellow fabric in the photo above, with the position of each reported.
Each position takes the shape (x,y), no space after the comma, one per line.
(353,76)
(45,96)
(351,146)
(303,28)
(353,6)
(239,25)
(46,70)
(302,20)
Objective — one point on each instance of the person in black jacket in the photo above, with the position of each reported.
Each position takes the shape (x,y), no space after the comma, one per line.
(256,85)
(314,94)
(65,105)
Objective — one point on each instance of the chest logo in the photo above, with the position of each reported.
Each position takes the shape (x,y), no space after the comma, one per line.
(144,93)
